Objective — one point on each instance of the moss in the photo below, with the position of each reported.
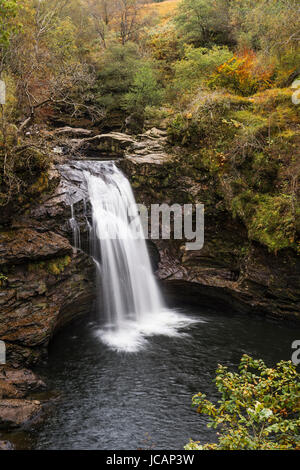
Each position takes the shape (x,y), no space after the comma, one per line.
(40,185)
(55,266)
(269,219)
(3,281)
(268,100)
(58,265)
(7,235)
(38,266)
(247,119)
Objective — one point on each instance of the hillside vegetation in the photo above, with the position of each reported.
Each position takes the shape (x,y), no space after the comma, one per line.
(221,76)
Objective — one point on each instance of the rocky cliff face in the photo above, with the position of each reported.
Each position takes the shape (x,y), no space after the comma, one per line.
(45,282)
(231,271)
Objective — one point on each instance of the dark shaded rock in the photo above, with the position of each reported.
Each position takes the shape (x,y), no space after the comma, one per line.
(19,246)
(230,272)
(135,123)
(18,383)
(6,445)
(19,413)
(154,255)
(40,298)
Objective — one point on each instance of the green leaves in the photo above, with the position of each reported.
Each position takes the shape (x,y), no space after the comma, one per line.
(144,91)
(197,66)
(259,407)
(203,22)
(8,11)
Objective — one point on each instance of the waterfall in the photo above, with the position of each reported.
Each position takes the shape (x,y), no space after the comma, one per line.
(130,301)
(75,229)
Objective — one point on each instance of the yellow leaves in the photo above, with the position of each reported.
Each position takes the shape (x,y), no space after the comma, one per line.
(164,9)
(242,74)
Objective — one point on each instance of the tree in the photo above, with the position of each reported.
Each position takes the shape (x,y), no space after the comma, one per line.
(264,25)
(144,91)
(119,19)
(259,407)
(116,75)
(8,12)
(46,63)
(204,22)
(128,19)
(102,13)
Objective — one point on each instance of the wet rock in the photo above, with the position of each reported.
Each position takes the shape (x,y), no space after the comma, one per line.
(19,413)
(39,299)
(19,246)
(72,132)
(6,445)
(231,271)
(112,144)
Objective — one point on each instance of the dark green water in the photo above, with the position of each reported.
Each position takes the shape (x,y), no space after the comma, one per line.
(113,400)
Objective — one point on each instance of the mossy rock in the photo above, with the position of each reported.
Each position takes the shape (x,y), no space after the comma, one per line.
(54,266)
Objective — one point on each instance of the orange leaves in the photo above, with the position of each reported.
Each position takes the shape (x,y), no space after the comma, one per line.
(243,74)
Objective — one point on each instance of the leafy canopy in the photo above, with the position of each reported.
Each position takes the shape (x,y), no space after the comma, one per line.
(8,11)
(145,90)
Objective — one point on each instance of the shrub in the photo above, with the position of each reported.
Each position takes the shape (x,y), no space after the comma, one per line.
(242,75)
(144,91)
(198,64)
(204,119)
(258,409)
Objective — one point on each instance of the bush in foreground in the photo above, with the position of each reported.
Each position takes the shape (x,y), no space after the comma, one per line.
(259,408)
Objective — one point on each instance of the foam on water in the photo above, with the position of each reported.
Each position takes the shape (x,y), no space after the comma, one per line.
(132,336)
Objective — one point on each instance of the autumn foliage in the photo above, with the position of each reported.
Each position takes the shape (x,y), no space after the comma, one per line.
(243,75)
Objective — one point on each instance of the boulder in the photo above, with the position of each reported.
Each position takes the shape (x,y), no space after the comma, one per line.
(110,145)
(6,445)
(20,246)
(19,413)
(18,383)
(73,132)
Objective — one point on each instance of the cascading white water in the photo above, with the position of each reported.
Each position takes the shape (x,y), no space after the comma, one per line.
(132,302)
(76,230)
